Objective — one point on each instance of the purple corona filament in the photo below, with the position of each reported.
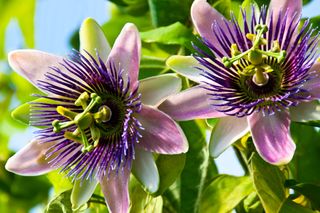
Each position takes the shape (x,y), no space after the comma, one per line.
(112,147)
(233,90)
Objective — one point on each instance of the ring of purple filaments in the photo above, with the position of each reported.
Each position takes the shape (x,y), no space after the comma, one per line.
(223,84)
(115,150)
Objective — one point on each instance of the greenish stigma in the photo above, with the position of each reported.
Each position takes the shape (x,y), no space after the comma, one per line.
(255,55)
(84,120)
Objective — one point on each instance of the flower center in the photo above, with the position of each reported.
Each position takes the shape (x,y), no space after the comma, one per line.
(256,65)
(94,113)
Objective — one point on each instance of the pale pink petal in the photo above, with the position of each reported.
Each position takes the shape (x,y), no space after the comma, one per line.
(313,85)
(144,168)
(161,134)
(271,136)
(115,190)
(190,104)
(203,16)
(34,64)
(125,53)
(82,191)
(294,8)
(228,130)
(187,66)
(156,89)
(305,111)
(30,160)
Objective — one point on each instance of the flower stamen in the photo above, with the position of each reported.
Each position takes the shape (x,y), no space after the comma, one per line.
(83,120)
(258,69)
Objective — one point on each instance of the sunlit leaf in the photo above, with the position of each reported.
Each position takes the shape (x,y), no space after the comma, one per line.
(268,181)
(224,193)
(311,191)
(306,157)
(169,167)
(60,203)
(59,181)
(175,33)
(165,12)
(141,201)
(292,207)
(132,7)
(118,19)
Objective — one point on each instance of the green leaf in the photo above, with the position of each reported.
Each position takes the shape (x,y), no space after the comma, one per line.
(59,182)
(262,2)
(194,173)
(224,193)
(306,157)
(24,15)
(306,2)
(224,7)
(141,201)
(132,7)
(252,203)
(311,191)
(291,207)
(118,19)
(165,12)
(268,181)
(169,168)
(174,34)
(60,204)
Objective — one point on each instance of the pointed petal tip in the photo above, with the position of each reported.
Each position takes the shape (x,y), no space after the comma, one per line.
(145,170)
(14,58)
(93,40)
(10,166)
(82,192)
(89,20)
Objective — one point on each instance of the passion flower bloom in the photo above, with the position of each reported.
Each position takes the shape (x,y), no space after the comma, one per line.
(261,76)
(98,121)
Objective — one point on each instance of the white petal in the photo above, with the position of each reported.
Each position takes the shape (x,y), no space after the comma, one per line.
(227,131)
(93,40)
(155,90)
(82,191)
(161,134)
(192,103)
(187,66)
(115,190)
(126,53)
(305,111)
(34,64)
(30,160)
(145,170)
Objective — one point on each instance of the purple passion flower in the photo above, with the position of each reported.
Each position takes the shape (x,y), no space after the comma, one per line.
(263,75)
(98,121)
